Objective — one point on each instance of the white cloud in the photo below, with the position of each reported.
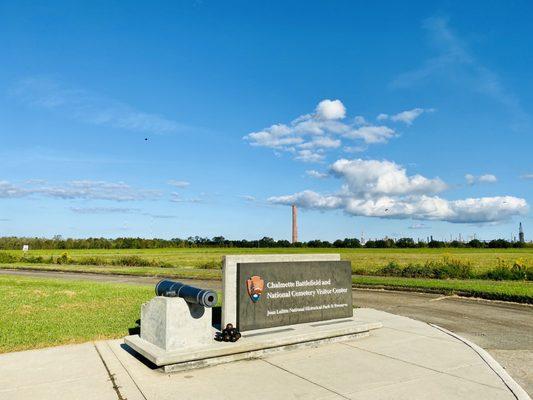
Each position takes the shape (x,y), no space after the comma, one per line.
(406,117)
(8,190)
(527,176)
(370,178)
(360,120)
(178,184)
(325,130)
(371,134)
(308,199)
(82,105)
(321,142)
(473,210)
(81,189)
(330,109)
(248,197)
(383,189)
(487,178)
(354,149)
(177,198)
(309,156)
(316,174)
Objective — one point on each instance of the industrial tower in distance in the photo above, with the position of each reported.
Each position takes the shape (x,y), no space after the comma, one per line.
(521,237)
(294,224)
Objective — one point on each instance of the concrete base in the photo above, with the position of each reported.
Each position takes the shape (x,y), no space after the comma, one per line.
(252,344)
(170,323)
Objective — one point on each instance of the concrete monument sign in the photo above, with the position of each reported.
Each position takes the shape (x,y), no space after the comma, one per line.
(288,293)
(179,331)
(229,276)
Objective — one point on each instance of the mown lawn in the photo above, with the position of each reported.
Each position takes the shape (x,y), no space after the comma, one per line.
(47,312)
(41,312)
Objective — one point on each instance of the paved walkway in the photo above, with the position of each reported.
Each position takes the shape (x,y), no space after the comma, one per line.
(505,330)
(406,359)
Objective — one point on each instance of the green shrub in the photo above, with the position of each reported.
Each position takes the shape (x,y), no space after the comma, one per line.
(32,259)
(505,271)
(450,268)
(132,261)
(445,269)
(64,259)
(418,271)
(90,261)
(391,269)
(6,258)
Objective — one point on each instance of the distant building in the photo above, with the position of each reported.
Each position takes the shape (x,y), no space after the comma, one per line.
(294,224)
(521,237)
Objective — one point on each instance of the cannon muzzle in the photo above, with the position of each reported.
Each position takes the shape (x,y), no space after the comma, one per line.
(190,294)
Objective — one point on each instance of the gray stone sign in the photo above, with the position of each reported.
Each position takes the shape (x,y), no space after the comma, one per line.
(285,293)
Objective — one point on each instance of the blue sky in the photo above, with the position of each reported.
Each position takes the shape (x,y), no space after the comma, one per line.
(173,119)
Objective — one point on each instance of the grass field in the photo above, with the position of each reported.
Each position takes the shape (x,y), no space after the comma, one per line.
(46,312)
(521,292)
(204,263)
(362,259)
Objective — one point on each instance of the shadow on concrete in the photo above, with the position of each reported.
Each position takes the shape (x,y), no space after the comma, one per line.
(138,357)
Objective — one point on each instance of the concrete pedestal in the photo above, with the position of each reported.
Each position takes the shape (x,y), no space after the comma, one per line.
(171,323)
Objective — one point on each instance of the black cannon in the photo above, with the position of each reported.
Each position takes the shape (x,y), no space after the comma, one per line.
(190,294)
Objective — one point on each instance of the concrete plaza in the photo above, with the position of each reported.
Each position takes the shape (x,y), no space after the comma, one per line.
(406,359)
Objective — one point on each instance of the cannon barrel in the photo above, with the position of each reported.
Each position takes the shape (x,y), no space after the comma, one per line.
(190,294)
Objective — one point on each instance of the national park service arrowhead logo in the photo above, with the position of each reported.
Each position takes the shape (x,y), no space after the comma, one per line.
(255,286)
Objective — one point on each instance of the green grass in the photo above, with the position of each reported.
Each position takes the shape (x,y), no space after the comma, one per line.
(367,260)
(40,312)
(46,312)
(518,291)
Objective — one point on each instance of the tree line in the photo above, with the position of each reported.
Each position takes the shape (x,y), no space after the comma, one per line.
(57,242)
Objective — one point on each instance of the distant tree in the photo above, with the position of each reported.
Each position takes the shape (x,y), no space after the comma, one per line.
(218,241)
(436,244)
(380,244)
(499,244)
(475,243)
(318,243)
(405,243)
(351,243)
(267,242)
(456,243)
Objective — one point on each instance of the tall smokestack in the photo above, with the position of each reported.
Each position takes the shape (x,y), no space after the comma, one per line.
(294,224)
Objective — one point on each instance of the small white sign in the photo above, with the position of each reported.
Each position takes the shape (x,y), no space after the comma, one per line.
(25,248)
